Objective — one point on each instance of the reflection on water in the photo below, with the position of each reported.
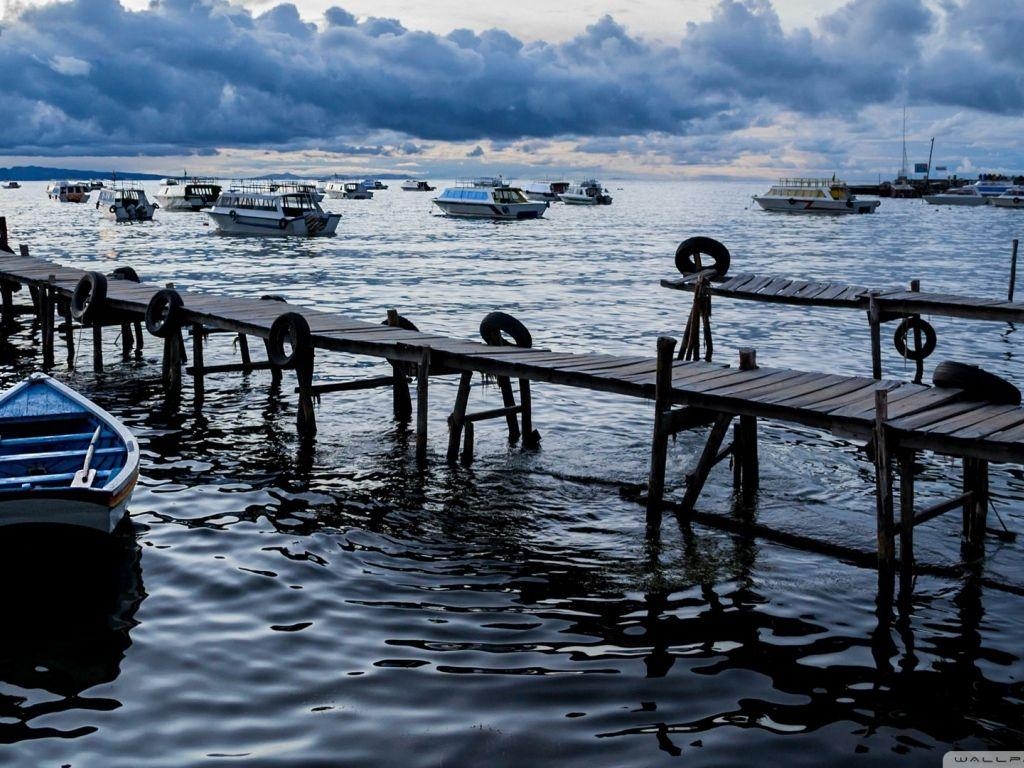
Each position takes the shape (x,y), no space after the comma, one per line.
(334,603)
(69,602)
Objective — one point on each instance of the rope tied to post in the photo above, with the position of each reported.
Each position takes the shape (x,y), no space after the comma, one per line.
(700,317)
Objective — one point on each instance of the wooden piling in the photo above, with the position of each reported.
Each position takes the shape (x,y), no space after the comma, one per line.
(1013,271)
(659,440)
(4,245)
(531,437)
(457,418)
(69,333)
(905,460)
(746,465)
(875,323)
(400,398)
(509,399)
(975,508)
(883,484)
(709,457)
(47,298)
(305,419)
(422,401)
(198,367)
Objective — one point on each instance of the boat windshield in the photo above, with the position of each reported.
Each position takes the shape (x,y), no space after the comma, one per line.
(508,195)
(298,203)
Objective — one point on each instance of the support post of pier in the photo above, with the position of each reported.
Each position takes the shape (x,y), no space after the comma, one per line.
(305,419)
(4,245)
(127,341)
(746,466)
(422,401)
(97,347)
(243,349)
(708,458)
(457,418)
(138,339)
(905,458)
(47,297)
(401,402)
(275,371)
(875,322)
(883,489)
(174,346)
(659,440)
(531,437)
(508,398)
(1013,271)
(198,366)
(975,508)
(7,300)
(915,287)
(69,333)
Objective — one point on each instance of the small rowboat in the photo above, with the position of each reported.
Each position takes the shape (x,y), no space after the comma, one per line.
(63,459)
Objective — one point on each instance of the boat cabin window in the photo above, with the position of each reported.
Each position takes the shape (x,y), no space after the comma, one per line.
(507,195)
(297,204)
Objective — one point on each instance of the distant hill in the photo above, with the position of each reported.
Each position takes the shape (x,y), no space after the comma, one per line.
(41,173)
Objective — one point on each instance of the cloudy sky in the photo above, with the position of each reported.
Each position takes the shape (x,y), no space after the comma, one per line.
(649,88)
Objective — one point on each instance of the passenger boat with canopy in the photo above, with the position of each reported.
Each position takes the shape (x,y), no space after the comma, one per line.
(807,195)
(187,193)
(489,203)
(257,209)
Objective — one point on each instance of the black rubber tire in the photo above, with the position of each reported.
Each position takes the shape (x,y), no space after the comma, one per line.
(125,273)
(976,383)
(89,297)
(163,313)
(905,330)
(282,224)
(689,249)
(498,327)
(289,329)
(404,323)
(113,208)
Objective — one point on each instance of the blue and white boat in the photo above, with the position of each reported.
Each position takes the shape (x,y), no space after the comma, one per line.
(489,203)
(268,210)
(63,459)
(992,186)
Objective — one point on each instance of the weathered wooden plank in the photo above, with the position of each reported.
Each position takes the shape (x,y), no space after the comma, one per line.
(1002,418)
(754,383)
(921,420)
(809,382)
(755,285)
(773,286)
(808,400)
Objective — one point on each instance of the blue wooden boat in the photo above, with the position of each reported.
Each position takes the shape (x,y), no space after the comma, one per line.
(63,459)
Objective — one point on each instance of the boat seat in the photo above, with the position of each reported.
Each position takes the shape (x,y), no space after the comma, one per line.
(29,481)
(65,454)
(16,442)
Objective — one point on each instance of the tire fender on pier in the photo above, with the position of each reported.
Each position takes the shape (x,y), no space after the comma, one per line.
(89,297)
(163,313)
(498,327)
(976,383)
(289,335)
(694,253)
(907,327)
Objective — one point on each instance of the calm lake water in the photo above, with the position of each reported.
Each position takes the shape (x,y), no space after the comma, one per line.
(335,605)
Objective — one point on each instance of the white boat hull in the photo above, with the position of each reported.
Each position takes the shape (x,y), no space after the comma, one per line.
(178,203)
(1007,202)
(820,205)
(295,226)
(571,199)
(961,200)
(478,210)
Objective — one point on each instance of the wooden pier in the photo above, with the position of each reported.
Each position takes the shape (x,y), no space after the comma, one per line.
(896,419)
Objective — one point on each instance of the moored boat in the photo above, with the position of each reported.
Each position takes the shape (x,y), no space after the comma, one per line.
(348,190)
(374,184)
(1011,198)
(187,193)
(546,190)
(808,195)
(489,203)
(256,209)
(416,185)
(12,185)
(68,192)
(126,202)
(588,192)
(63,459)
(965,196)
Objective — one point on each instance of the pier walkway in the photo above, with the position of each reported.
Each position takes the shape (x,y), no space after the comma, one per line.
(897,419)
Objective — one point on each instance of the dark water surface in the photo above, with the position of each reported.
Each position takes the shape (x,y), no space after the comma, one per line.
(335,605)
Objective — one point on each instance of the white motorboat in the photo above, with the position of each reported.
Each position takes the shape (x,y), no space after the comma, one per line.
(992,185)
(1011,198)
(63,459)
(256,209)
(68,191)
(416,185)
(968,195)
(187,194)
(347,190)
(588,192)
(489,203)
(546,190)
(805,195)
(126,202)
(12,185)
(374,184)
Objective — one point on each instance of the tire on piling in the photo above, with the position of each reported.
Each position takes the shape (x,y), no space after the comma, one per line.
(977,384)
(89,297)
(497,328)
(289,335)
(706,247)
(163,313)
